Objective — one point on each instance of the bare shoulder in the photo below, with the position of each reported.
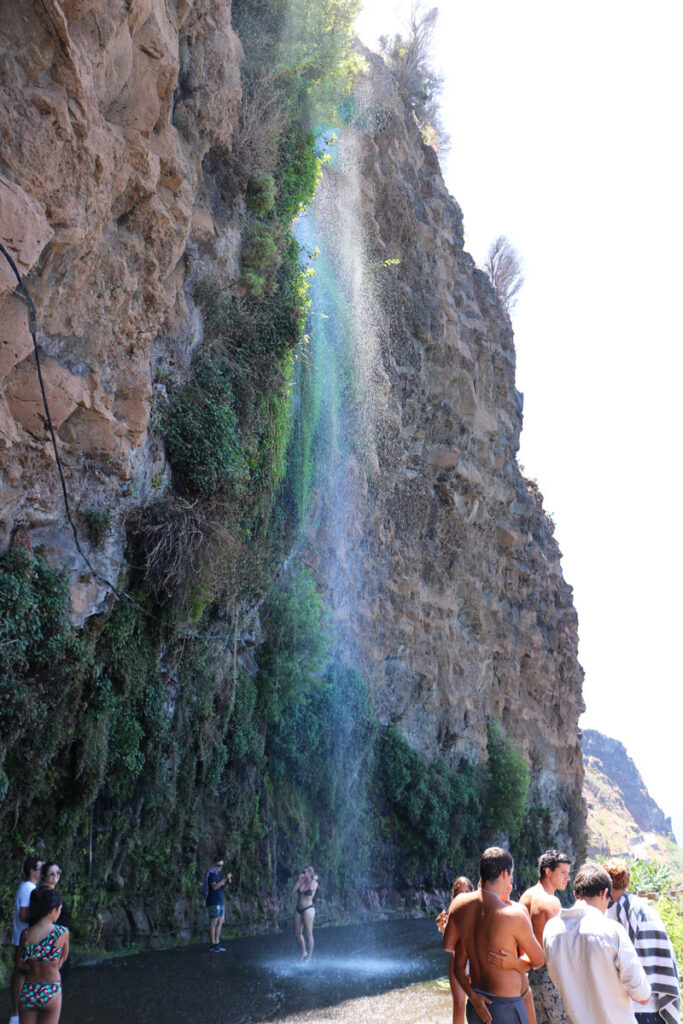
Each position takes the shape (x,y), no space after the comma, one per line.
(517,910)
(462,901)
(538,901)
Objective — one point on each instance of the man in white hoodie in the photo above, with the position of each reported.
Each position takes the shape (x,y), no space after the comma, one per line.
(32,866)
(591,959)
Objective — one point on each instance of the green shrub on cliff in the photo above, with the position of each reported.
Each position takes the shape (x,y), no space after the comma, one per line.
(296,648)
(202,435)
(34,628)
(260,197)
(435,809)
(507,785)
(40,669)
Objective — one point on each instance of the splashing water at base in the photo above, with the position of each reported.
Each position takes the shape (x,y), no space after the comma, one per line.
(372,972)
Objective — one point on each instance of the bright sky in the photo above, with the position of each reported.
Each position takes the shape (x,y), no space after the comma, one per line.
(565,126)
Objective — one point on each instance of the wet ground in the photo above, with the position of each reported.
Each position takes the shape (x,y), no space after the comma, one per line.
(381,972)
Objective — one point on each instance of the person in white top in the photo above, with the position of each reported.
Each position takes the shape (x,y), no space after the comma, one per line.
(591,959)
(32,868)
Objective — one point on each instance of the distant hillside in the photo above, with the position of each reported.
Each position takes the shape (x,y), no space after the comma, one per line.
(622,817)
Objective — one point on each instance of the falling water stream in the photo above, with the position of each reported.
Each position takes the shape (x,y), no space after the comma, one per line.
(380,971)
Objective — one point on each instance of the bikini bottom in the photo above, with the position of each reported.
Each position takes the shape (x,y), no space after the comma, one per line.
(34,995)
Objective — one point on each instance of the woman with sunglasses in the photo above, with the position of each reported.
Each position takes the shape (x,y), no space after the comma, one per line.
(50,875)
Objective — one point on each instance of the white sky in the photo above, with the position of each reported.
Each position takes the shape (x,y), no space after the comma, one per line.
(565,123)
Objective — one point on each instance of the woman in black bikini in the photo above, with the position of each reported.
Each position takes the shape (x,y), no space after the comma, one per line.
(305,887)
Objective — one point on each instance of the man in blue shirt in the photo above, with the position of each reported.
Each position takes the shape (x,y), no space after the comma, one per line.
(214,888)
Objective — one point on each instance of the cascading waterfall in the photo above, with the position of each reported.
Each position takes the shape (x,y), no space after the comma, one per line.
(340,390)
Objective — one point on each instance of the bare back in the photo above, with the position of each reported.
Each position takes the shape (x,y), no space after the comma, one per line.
(483,922)
(541,906)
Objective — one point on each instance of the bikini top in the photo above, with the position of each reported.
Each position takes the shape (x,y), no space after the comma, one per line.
(45,949)
(307,892)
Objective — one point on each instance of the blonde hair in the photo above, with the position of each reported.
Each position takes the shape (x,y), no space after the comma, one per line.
(619,872)
(461,884)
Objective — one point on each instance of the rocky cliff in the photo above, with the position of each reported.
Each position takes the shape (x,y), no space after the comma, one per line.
(170,309)
(448,586)
(622,816)
(106,120)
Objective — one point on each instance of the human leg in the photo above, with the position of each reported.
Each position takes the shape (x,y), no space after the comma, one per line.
(547,1000)
(213,926)
(219,925)
(308,918)
(529,1004)
(51,1011)
(297,933)
(457,994)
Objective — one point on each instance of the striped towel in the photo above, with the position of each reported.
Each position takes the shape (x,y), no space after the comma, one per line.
(646,931)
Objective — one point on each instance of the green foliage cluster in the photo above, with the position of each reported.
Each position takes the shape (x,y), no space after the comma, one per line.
(99,745)
(97,522)
(39,657)
(670,909)
(260,197)
(648,875)
(228,428)
(203,437)
(308,44)
(507,785)
(134,755)
(435,810)
(292,660)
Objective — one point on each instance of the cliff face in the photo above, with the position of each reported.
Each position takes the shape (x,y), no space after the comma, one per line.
(105,124)
(448,585)
(622,816)
(439,563)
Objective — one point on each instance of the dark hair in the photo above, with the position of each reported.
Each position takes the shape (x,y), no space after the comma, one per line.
(494,861)
(551,859)
(591,880)
(217,857)
(46,867)
(30,864)
(43,899)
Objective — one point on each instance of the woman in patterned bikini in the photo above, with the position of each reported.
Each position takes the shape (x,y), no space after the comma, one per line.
(305,887)
(44,947)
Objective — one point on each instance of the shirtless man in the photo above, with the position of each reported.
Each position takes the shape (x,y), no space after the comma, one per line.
(542,903)
(480,921)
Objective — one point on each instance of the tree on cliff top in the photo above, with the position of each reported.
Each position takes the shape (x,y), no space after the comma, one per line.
(409,60)
(504,268)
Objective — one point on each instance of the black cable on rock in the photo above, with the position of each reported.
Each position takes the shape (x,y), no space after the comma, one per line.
(120,595)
